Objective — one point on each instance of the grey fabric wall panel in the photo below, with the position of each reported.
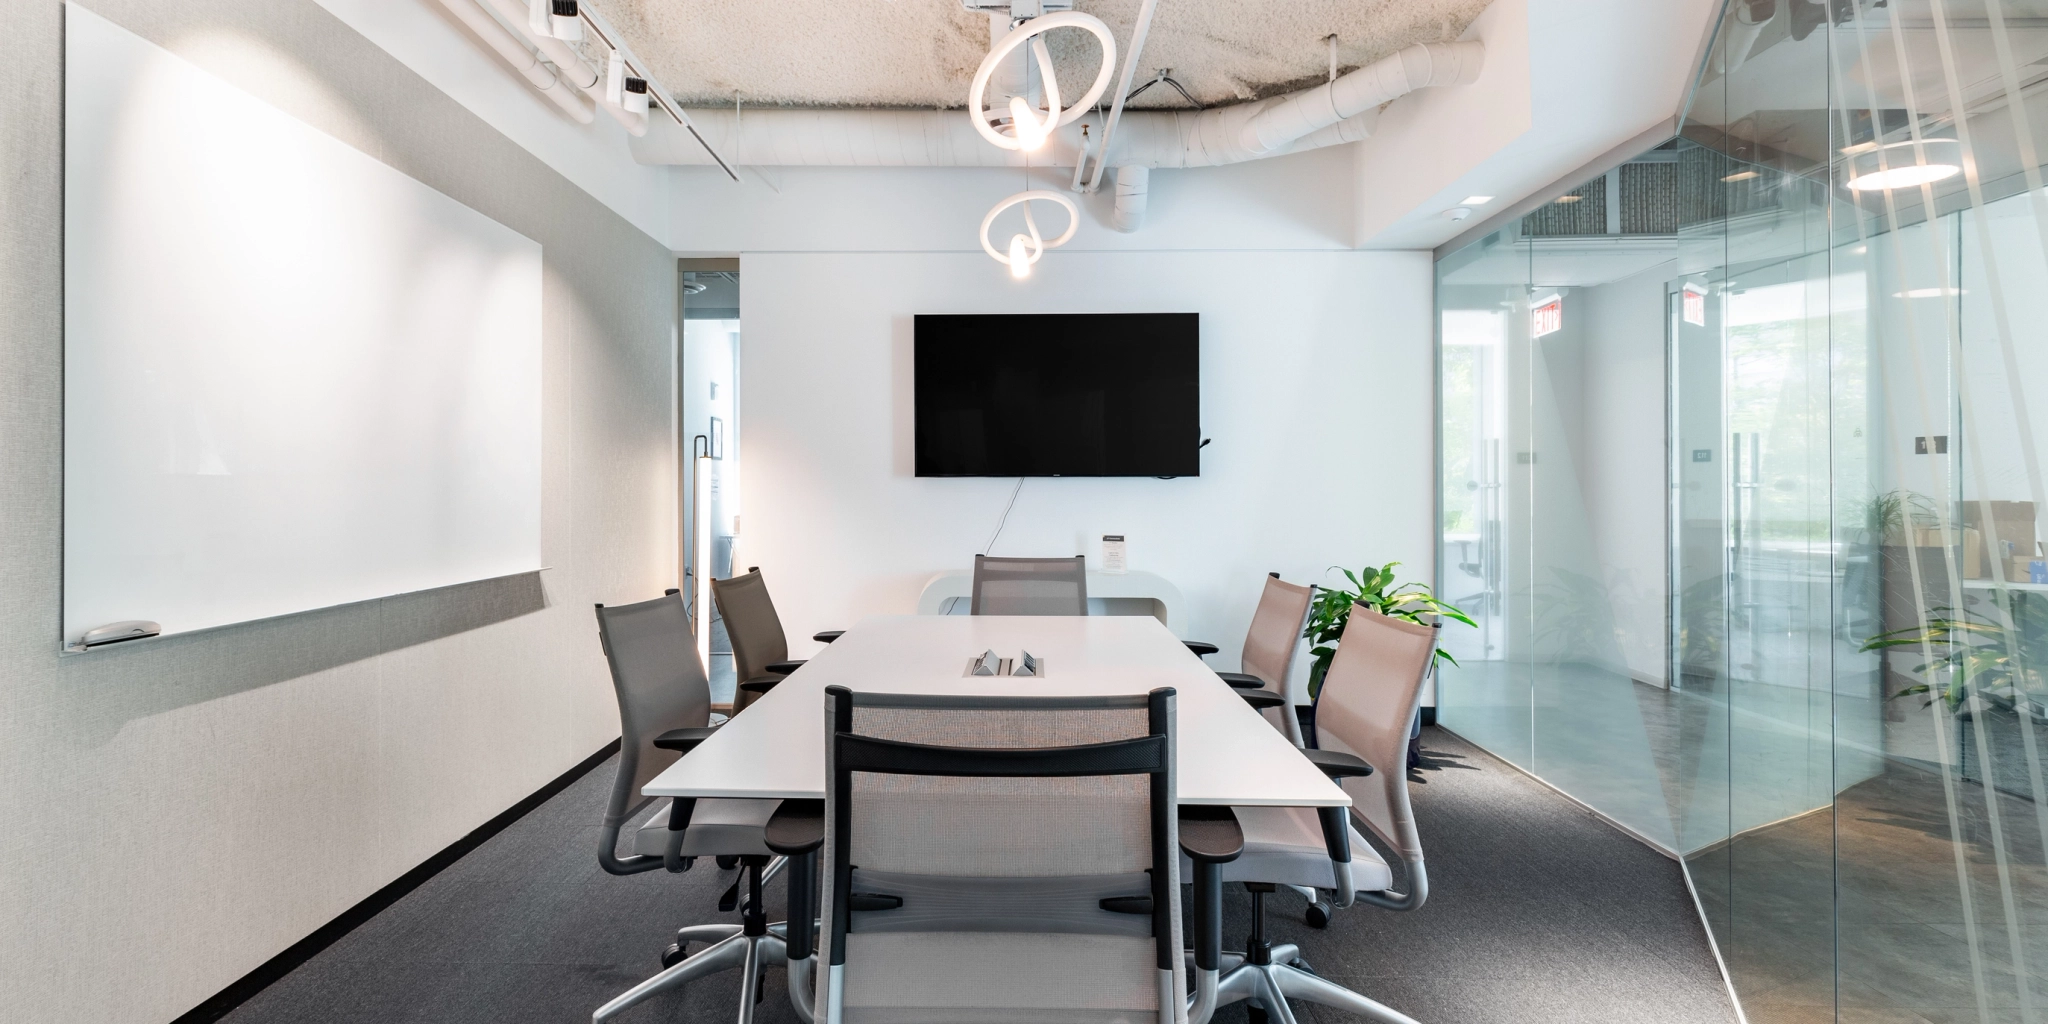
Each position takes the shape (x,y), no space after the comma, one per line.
(175,813)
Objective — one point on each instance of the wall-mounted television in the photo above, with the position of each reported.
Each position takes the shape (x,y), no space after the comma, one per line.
(1058,394)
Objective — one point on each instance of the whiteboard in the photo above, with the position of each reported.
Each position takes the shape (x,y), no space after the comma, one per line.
(294,377)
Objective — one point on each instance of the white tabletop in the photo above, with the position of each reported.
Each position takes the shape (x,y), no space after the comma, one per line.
(1228,754)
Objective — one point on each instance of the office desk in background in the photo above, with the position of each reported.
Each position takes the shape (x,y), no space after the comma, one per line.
(1227,754)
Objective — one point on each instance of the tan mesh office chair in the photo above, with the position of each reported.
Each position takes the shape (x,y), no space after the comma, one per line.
(1030,586)
(1369,696)
(1269,647)
(1003,859)
(760,650)
(664,711)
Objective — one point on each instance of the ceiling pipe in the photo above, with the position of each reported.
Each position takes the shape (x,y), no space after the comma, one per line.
(1123,89)
(570,65)
(542,77)
(1133,182)
(1147,138)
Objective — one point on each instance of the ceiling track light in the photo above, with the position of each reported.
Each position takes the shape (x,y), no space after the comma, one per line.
(1028,130)
(567,23)
(1024,250)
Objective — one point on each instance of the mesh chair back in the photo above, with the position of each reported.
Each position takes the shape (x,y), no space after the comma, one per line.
(1030,586)
(660,685)
(1368,701)
(1002,825)
(1276,632)
(751,624)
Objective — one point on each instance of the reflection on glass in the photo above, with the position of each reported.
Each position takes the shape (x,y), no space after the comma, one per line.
(1742,477)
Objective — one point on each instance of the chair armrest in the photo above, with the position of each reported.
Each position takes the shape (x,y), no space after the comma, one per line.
(797,827)
(1209,835)
(1202,648)
(1242,680)
(760,685)
(783,668)
(1260,700)
(828,636)
(1337,764)
(683,740)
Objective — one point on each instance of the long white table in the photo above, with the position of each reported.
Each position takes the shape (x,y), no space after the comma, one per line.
(1227,753)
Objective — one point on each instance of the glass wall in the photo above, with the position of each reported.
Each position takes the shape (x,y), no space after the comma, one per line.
(1741,478)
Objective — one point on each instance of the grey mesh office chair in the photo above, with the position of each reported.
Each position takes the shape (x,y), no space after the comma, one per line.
(1001,859)
(1030,586)
(1369,696)
(664,711)
(1269,647)
(760,650)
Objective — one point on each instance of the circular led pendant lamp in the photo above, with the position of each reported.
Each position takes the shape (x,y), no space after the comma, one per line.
(1028,130)
(1024,250)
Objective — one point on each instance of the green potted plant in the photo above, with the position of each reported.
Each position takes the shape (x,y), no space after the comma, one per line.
(1989,676)
(1375,589)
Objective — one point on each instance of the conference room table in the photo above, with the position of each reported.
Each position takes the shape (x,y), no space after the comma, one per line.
(1227,754)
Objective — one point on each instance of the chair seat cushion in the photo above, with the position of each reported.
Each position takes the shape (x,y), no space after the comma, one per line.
(1284,845)
(718,828)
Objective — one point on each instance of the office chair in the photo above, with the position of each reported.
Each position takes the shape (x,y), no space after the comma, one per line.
(1001,858)
(1369,696)
(1269,649)
(760,650)
(664,711)
(1030,586)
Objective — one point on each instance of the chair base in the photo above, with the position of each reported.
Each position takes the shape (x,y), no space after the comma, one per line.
(1268,986)
(751,954)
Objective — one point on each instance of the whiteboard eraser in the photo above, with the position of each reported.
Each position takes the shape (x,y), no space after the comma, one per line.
(114,633)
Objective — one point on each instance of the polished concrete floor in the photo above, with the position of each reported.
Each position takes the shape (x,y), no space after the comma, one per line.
(1539,913)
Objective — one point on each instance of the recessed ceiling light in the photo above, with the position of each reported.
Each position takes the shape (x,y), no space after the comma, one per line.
(1569,199)
(1742,176)
(1476,201)
(1927,293)
(1902,177)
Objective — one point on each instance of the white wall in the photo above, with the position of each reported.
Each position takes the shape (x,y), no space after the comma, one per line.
(179,811)
(1316,387)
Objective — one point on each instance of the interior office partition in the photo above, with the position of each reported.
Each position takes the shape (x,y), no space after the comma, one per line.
(1742,478)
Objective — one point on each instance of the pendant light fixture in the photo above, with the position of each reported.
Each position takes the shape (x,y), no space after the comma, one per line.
(1024,250)
(1028,130)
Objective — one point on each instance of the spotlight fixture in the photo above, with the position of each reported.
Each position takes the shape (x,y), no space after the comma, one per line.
(615,78)
(565,24)
(539,15)
(1908,165)
(633,94)
(1458,213)
(1028,130)
(1024,250)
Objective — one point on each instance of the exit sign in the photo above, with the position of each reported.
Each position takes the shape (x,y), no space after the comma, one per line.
(1546,317)
(1695,305)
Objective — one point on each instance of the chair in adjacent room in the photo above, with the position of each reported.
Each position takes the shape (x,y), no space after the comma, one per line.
(1269,650)
(1369,696)
(664,713)
(760,649)
(1002,858)
(1030,586)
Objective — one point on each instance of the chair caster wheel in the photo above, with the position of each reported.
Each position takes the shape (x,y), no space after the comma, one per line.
(1301,965)
(1317,915)
(673,955)
(1254,1015)
(728,863)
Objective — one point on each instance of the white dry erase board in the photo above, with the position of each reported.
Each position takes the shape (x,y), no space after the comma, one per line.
(294,377)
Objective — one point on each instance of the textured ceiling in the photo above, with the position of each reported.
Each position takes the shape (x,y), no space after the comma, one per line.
(923,53)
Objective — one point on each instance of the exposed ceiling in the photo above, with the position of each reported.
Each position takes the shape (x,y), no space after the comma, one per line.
(923,53)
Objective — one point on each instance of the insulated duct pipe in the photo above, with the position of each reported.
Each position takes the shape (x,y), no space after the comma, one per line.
(1346,110)
(1133,182)
(516,54)
(570,65)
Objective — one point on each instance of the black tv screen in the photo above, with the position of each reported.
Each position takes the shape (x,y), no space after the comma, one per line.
(1058,394)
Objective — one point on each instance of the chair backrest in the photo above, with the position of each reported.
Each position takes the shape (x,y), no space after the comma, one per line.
(660,685)
(1030,586)
(1367,703)
(1276,631)
(1001,857)
(750,623)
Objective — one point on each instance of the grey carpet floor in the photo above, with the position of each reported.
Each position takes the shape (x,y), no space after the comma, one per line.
(1539,913)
